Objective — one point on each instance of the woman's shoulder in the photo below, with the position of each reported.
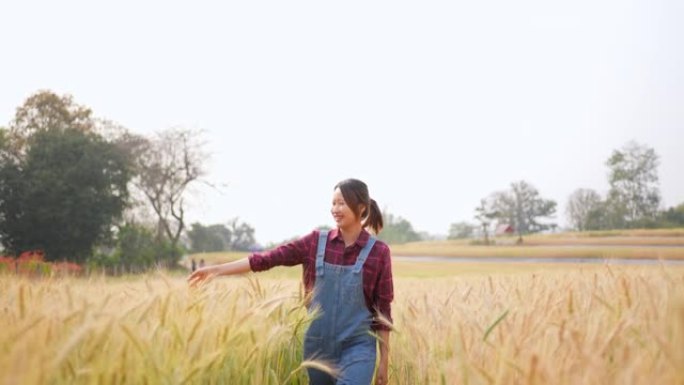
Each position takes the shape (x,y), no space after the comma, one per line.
(312,234)
(382,248)
(312,238)
(316,233)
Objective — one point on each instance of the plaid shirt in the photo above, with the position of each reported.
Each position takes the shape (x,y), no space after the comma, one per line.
(378,288)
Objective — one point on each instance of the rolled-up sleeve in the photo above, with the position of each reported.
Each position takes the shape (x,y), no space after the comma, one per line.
(289,254)
(384,294)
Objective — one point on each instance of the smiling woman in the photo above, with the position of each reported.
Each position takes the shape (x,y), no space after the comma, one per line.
(352,201)
(348,276)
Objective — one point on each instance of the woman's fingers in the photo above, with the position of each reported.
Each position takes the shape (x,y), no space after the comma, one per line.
(200,275)
(197,277)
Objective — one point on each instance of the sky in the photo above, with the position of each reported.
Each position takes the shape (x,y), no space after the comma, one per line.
(434,104)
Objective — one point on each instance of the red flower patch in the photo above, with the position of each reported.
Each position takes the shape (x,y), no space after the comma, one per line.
(33,263)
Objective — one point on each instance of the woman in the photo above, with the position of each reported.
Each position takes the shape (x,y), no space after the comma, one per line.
(349,275)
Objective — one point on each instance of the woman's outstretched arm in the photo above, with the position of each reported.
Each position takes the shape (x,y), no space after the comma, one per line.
(240,266)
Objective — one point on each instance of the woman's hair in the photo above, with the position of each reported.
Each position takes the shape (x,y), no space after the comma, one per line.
(355,194)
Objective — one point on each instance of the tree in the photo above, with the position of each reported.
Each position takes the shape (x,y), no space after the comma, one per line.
(461,230)
(136,249)
(62,185)
(598,217)
(397,230)
(4,133)
(581,204)
(633,176)
(233,236)
(45,111)
(522,207)
(166,167)
(242,235)
(485,215)
(673,217)
(64,195)
(209,238)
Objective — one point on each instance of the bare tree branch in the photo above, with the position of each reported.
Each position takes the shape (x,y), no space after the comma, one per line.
(168,165)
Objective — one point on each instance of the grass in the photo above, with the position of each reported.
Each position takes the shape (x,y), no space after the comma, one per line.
(468,324)
(583,326)
(152,330)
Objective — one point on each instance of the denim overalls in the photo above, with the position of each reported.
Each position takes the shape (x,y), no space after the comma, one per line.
(340,335)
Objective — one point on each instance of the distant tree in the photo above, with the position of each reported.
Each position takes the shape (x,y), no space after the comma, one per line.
(598,218)
(45,111)
(581,203)
(461,230)
(522,207)
(221,232)
(427,236)
(484,214)
(139,209)
(673,217)
(62,186)
(166,167)
(136,249)
(397,230)
(209,238)
(4,133)
(63,195)
(242,235)
(634,195)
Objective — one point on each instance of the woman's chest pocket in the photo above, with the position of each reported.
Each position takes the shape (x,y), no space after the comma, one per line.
(352,290)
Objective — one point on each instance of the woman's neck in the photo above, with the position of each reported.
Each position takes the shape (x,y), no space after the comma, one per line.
(351,234)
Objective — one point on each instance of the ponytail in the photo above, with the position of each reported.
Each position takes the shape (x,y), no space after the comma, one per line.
(374,219)
(355,194)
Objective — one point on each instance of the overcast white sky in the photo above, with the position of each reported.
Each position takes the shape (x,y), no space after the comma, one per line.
(435,104)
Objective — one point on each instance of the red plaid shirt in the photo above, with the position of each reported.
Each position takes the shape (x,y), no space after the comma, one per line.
(378,288)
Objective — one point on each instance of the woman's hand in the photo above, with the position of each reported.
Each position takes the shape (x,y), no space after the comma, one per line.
(202,274)
(381,374)
(208,272)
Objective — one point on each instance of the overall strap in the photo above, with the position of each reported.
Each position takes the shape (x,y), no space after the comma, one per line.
(364,254)
(320,252)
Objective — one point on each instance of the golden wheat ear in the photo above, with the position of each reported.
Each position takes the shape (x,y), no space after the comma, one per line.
(381,319)
(320,365)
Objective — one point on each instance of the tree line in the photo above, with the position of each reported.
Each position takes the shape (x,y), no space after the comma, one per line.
(632,201)
(87,190)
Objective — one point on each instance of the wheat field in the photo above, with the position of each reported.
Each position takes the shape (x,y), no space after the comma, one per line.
(580,325)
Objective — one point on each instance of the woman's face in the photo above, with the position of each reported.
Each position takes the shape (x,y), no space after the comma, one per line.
(343,214)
